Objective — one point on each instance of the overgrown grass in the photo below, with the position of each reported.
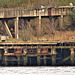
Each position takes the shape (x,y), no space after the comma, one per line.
(26,3)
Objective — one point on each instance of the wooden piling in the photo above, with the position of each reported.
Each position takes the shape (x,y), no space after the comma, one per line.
(38,60)
(53,56)
(8,30)
(38,56)
(72,57)
(5,50)
(5,60)
(18,60)
(61,21)
(53,60)
(25,60)
(44,59)
(16,27)
(39,28)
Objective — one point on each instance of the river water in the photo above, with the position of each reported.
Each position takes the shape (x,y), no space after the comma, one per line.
(42,70)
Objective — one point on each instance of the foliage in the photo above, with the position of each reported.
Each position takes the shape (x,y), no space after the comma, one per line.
(28,29)
(26,3)
(72,17)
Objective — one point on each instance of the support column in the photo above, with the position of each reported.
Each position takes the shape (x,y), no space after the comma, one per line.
(5,57)
(25,60)
(25,51)
(35,13)
(8,30)
(39,23)
(16,28)
(0,54)
(39,28)
(45,60)
(53,56)
(61,21)
(72,57)
(5,60)
(38,56)
(38,60)
(5,50)
(53,60)
(18,60)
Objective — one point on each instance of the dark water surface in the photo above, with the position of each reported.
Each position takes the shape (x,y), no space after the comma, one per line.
(37,70)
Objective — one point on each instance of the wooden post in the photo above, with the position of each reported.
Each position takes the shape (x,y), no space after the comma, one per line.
(39,24)
(53,59)
(25,51)
(62,11)
(38,60)
(35,13)
(61,21)
(38,56)
(7,29)
(16,28)
(25,60)
(39,28)
(5,50)
(72,57)
(5,57)
(18,60)
(45,60)
(0,54)
(53,56)
(5,60)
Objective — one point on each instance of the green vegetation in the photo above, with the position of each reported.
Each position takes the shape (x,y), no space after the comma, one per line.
(72,18)
(29,3)
(28,28)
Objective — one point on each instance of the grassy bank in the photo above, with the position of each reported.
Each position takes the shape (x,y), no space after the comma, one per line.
(34,3)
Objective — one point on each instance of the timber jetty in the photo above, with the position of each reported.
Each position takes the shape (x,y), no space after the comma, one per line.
(40,52)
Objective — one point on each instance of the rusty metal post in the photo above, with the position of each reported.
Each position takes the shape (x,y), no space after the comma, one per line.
(72,57)
(16,28)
